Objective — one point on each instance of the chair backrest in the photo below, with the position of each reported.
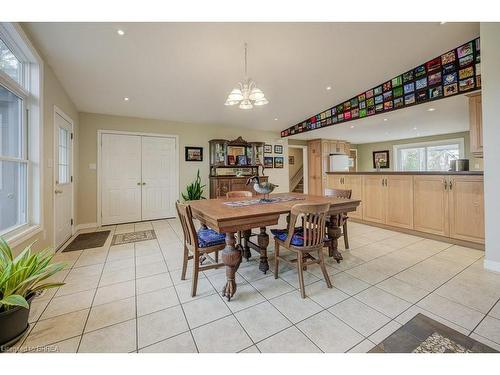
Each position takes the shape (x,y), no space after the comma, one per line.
(313,223)
(338,193)
(186,219)
(239,194)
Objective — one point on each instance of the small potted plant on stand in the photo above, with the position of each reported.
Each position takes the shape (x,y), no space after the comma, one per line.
(194,191)
(21,278)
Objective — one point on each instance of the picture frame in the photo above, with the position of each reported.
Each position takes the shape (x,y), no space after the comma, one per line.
(268,162)
(291,160)
(278,161)
(241,160)
(268,149)
(382,157)
(193,153)
(278,149)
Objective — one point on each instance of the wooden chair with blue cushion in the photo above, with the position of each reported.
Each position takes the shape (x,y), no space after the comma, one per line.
(342,218)
(196,244)
(304,240)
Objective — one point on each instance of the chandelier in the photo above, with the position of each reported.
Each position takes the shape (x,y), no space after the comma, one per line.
(247,94)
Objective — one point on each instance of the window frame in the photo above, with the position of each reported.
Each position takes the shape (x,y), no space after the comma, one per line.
(30,91)
(441,142)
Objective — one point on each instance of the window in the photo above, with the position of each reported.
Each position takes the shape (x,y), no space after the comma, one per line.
(428,156)
(63,160)
(20,140)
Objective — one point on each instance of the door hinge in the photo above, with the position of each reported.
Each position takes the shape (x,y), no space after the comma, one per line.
(71,136)
(71,221)
(71,178)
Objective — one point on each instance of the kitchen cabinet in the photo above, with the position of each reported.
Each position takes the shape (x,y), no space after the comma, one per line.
(219,186)
(374,198)
(466,208)
(476,125)
(349,182)
(314,160)
(430,204)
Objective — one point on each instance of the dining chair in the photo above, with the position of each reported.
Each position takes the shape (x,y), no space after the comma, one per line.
(197,244)
(304,240)
(240,194)
(342,218)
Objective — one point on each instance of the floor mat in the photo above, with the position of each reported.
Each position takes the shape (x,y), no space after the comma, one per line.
(145,235)
(425,335)
(88,241)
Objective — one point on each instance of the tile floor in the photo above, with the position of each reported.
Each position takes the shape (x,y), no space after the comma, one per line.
(129,298)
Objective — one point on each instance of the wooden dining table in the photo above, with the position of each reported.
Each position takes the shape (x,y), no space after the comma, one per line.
(225,218)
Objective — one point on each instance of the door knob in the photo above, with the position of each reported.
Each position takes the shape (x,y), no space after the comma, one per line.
(138,184)
(58,191)
(144,183)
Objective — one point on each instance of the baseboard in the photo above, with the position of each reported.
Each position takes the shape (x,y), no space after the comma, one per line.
(491,265)
(85,226)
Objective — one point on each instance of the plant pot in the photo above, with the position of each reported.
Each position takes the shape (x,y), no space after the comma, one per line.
(13,325)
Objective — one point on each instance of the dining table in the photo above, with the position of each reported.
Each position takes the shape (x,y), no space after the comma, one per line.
(240,215)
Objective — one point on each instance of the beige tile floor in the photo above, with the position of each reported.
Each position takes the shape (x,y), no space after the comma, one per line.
(130,298)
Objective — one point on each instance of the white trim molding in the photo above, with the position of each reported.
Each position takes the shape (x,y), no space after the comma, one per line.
(491,265)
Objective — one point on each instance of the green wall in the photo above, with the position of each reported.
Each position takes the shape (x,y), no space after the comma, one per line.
(365,163)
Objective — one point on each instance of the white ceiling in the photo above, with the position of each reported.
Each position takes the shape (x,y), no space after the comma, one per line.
(449,115)
(184,71)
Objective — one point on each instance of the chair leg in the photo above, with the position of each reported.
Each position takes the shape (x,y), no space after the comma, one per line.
(185,263)
(346,239)
(276,258)
(196,270)
(217,256)
(300,270)
(323,268)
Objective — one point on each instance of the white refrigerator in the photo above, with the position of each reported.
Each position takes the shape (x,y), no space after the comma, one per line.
(339,163)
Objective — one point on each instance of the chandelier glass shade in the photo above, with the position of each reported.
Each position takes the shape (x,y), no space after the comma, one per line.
(247,94)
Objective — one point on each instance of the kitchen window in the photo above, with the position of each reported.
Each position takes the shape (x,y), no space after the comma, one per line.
(20,140)
(428,156)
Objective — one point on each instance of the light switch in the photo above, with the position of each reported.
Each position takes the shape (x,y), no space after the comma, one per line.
(92,166)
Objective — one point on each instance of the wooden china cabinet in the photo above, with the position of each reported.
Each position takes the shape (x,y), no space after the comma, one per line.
(232,163)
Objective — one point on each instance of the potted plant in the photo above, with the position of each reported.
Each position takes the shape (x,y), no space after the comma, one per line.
(21,278)
(194,190)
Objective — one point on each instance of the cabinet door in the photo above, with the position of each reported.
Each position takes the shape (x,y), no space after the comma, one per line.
(430,207)
(355,183)
(476,125)
(399,201)
(314,161)
(239,184)
(223,186)
(374,202)
(334,181)
(467,208)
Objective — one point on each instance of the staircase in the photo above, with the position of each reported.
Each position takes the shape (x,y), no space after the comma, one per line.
(300,186)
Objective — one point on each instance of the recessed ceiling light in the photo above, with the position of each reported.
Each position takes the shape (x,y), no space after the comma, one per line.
(120,32)
(442,22)
(328,88)
(352,126)
(385,119)
(431,109)
(276,119)
(415,128)
(126,99)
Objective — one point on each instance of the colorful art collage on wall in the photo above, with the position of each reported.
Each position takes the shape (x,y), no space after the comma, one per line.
(452,73)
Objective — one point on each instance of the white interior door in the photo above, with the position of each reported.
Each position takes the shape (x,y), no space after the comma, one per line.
(158,177)
(120,178)
(63,184)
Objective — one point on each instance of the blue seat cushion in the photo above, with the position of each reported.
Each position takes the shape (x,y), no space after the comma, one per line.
(209,237)
(297,238)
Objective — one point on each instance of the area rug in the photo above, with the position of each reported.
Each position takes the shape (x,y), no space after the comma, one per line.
(88,241)
(144,235)
(425,335)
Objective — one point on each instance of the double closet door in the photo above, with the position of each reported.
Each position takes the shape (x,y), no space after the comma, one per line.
(138,178)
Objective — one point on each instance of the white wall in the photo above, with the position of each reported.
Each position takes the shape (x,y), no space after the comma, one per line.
(490,74)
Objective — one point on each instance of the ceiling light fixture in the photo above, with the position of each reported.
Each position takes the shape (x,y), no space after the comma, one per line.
(276,119)
(247,94)
(126,99)
(442,22)
(431,109)
(328,88)
(120,32)
(352,126)
(415,128)
(385,119)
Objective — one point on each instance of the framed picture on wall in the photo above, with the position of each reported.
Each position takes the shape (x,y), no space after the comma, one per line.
(278,149)
(381,159)
(194,153)
(268,149)
(278,161)
(268,161)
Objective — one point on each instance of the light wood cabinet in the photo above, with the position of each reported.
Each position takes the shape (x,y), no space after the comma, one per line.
(430,204)
(466,206)
(476,125)
(399,201)
(315,168)
(349,182)
(374,198)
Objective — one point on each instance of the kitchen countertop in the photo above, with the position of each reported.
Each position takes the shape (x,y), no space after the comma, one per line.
(466,173)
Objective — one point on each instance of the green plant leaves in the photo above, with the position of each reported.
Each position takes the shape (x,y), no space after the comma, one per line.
(194,191)
(14,300)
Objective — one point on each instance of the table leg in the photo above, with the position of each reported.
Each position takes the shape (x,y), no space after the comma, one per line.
(334,233)
(246,249)
(263,241)
(231,256)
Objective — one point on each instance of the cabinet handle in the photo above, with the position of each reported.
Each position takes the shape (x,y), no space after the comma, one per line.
(445,185)
(451,185)
(382,182)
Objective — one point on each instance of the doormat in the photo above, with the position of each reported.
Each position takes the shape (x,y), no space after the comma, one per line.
(145,235)
(425,335)
(88,241)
